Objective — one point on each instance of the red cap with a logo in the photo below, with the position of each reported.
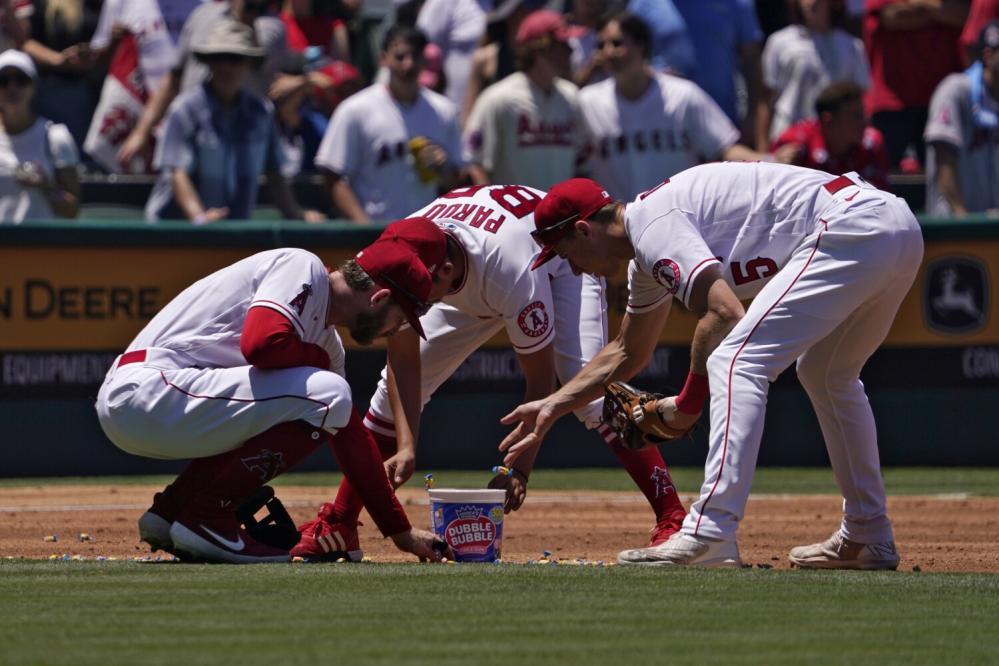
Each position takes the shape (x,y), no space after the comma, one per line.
(565,204)
(403,260)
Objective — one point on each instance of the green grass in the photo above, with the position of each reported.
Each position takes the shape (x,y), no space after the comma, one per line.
(129,613)
(770,480)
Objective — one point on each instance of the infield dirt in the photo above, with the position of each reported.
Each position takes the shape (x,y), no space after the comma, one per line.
(935,534)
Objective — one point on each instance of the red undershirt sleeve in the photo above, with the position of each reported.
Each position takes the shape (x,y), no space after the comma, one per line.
(269,341)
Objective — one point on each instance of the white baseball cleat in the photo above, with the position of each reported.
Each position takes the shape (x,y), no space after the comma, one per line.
(684,550)
(838,552)
(155,530)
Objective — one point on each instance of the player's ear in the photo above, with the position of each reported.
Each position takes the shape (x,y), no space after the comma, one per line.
(379,295)
(583,228)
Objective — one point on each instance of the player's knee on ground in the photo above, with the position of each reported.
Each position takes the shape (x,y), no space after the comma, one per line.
(334,401)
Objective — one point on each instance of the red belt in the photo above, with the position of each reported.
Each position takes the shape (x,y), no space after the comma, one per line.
(837,184)
(137,356)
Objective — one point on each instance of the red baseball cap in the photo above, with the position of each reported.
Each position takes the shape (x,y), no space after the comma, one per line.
(543,23)
(566,203)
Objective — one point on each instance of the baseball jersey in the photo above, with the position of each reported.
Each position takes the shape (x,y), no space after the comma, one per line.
(521,134)
(367,142)
(749,217)
(869,158)
(799,63)
(952,121)
(493,224)
(634,144)
(204,322)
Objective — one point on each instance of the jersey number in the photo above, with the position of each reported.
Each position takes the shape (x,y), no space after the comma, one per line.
(516,200)
(755,269)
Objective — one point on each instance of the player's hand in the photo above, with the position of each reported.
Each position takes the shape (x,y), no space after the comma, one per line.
(674,417)
(425,545)
(400,467)
(515,486)
(535,420)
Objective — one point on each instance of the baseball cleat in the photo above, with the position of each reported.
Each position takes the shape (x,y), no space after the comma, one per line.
(838,552)
(665,528)
(684,550)
(323,539)
(155,530)
(215,535)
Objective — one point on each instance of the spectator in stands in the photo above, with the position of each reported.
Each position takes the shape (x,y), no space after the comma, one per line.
(671,49)
(188,71)
(59,43)
(962,136)
(585,60)
(839,139)
(981,12)
(727,41)
(143,20)
(643,125)
(911,46)
(175,13)
(219,138)
(527,129)
(494,59)
(390,148)
(802,59)
(311,23)
(14,23)
(38,158)
(457,27)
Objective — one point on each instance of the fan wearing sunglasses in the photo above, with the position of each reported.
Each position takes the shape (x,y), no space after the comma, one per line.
(38,158)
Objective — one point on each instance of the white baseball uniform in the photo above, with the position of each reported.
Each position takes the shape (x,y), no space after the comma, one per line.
(183,388)
(799,63)
(634,144)
(828,262)
(367,142)
(536,308)
(972,129)
(521,134)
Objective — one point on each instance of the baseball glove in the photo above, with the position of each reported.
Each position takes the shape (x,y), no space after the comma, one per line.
(633,415)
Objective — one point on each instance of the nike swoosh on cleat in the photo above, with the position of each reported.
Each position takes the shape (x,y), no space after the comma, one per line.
(236,545)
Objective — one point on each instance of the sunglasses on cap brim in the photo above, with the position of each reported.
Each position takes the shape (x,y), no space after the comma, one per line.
(555,232)
(420,307)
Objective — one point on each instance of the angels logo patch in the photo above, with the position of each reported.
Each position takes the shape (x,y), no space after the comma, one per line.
(533,319)
(303,296)
(667,273)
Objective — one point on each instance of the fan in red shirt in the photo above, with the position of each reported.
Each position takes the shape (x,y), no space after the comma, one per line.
(839,140)
(309,23)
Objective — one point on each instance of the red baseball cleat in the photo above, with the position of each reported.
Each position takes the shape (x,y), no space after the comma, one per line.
(207,532)
(665,528)
(323,539)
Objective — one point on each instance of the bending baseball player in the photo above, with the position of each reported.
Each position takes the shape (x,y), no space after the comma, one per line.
(828,261)
(244,372)
(555,321)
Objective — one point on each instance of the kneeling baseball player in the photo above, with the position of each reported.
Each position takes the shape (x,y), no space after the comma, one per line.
(244,372)
(555,321)
(827,262)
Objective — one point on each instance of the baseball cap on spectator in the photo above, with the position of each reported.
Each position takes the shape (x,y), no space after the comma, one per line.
(403,260)
(20,61)
(230,38)
(504,8)
(543,23)
(988,38)
(344,79)
(566,203)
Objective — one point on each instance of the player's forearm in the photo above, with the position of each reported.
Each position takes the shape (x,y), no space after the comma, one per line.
(405,398)
(269,341)
(610,364)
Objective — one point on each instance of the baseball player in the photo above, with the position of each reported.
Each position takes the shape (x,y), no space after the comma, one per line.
(828,261)
(244,372)
(555,320)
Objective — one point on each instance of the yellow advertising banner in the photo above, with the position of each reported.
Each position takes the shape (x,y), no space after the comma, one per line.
(98,298)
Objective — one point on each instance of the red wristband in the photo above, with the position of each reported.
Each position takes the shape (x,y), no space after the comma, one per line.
(694,393)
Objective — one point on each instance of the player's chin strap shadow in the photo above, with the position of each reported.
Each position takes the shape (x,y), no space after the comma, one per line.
(276,527)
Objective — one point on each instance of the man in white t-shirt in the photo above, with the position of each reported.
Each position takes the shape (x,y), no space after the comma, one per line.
(456,26)
(643,125)
(827,262)
(526,128)
(389,148)
(555,321)
(962,136)
(244,372)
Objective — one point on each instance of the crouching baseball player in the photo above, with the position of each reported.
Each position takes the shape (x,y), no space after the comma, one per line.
(828,261)
(244,372)
(555,321)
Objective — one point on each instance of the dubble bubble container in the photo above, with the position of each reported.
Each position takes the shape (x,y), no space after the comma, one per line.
(470,521)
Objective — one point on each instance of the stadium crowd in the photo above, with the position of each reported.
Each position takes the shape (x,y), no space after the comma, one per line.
(390,103)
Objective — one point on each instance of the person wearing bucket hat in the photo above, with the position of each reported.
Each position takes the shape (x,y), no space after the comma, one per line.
(262,334)
(555,321)
(962,136)
(827,262)
(219,138)
(527,128)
